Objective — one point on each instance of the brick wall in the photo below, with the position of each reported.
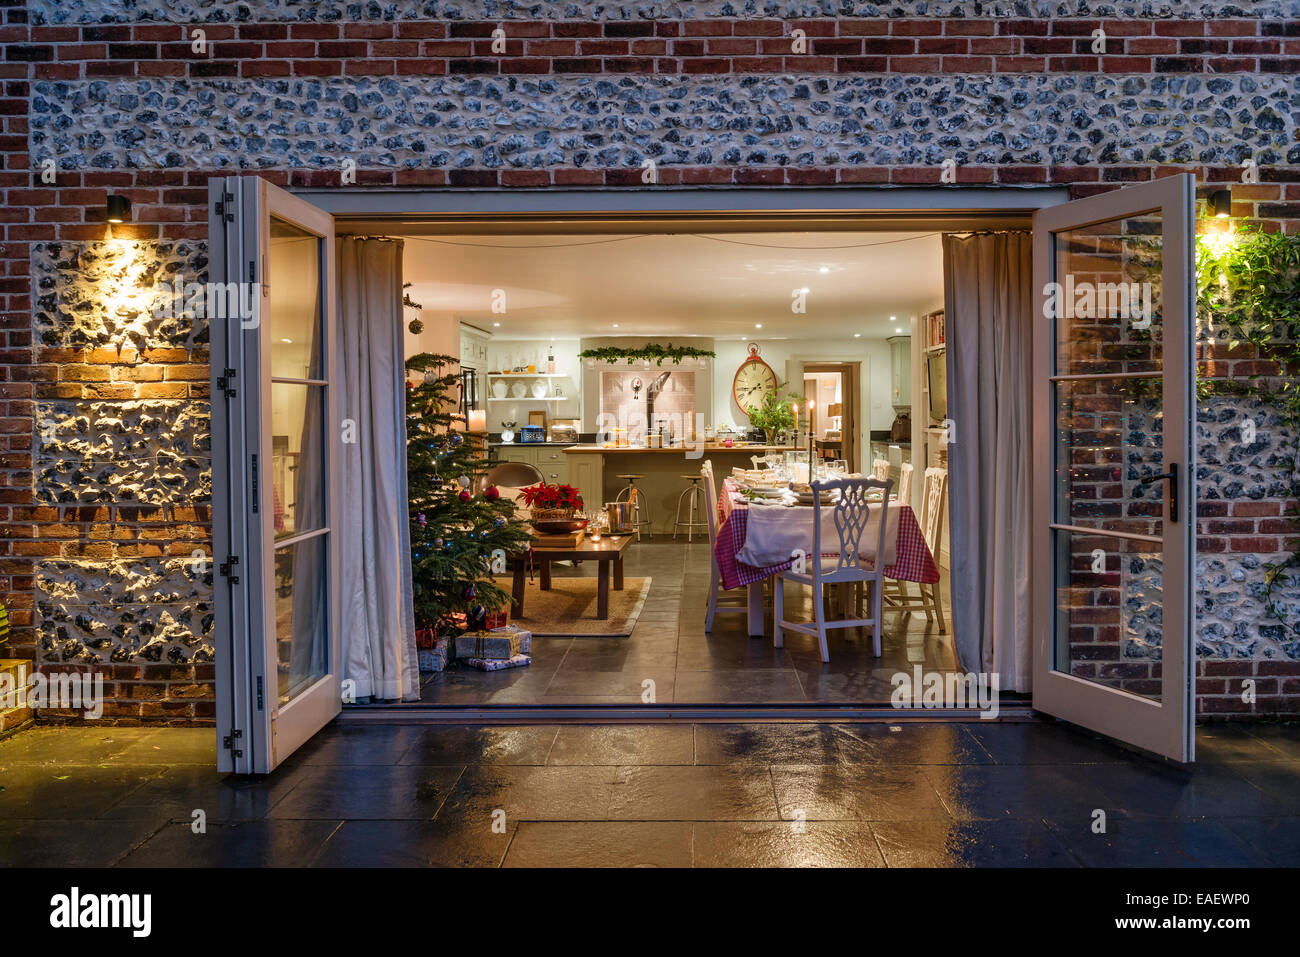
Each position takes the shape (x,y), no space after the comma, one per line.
(416,95)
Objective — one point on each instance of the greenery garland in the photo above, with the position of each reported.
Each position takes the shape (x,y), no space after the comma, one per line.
(651,350)
(1248,292)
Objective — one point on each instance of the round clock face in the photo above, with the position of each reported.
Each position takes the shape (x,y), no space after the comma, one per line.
(754,380)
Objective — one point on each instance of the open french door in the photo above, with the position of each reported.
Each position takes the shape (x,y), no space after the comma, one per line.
(1114,464)
(271,311)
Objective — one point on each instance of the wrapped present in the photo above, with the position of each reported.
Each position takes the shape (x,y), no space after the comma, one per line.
(498,645)
(434,658)
(525,637)
(499,664)
(424,638)
(496,619)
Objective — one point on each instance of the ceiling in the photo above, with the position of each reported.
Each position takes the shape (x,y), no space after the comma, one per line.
(679,285)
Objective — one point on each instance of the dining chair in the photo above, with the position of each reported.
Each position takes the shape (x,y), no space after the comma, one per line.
(905,482)
(851,516)
(880,470)
(898,595)
(715,576)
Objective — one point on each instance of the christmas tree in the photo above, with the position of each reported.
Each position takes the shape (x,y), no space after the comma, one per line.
(456,528)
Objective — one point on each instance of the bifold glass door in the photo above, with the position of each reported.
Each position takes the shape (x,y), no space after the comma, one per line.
(1114,459)
(272,279)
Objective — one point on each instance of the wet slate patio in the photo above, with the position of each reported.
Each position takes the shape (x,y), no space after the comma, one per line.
(868,795)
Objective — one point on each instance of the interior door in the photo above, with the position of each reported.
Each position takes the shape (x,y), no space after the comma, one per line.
(1114,464)
(271,312)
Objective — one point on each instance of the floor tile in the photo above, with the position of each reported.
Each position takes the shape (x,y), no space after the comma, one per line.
(600,844)
(863,792)
(368,792)
(1003,843)
(243,844)
(1023,792)
(442,842)
(911,742)
(480,744)
(783,743)
(692,794)
(1153,842)
(73,843)
(786,844)
(621,744)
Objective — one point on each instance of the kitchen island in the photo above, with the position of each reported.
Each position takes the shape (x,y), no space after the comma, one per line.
(594,471)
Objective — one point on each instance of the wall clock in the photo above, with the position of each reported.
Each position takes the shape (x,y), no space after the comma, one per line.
(753,382)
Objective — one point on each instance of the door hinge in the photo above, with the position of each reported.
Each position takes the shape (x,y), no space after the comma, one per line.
(228,742)
(224,209)
(223,382)
(227,568)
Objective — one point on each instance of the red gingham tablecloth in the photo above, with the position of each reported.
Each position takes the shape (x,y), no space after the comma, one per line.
(912,561)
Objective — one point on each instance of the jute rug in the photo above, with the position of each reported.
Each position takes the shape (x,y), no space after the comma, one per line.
(568,609)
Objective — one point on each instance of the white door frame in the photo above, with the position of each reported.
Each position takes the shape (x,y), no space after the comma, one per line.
(254,731)
(1164,726)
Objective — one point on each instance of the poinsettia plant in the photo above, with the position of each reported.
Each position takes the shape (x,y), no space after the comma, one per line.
(551,496)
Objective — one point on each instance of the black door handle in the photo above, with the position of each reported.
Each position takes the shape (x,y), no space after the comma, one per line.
(1172,476)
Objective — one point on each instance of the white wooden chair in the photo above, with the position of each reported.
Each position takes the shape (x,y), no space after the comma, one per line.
(715,575)
(851,514)
(766,461)
(930,597)
(905,483)
(880,470)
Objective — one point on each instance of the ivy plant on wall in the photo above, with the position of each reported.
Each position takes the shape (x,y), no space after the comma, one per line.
(651,350)
(1248,293)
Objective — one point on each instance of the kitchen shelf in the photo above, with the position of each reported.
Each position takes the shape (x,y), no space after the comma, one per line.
(530,398)
(528,375)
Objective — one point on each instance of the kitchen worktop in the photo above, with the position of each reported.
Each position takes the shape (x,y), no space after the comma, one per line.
(679,449)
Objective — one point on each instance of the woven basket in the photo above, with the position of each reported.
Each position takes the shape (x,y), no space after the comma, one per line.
(551,514)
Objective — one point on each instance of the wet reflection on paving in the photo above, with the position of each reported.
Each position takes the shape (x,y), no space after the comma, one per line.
(704,795)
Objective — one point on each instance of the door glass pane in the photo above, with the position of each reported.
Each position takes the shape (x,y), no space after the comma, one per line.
(1107,296)
(1109,437)
(297,458)
(293,294)
(301,640)
(1109,611)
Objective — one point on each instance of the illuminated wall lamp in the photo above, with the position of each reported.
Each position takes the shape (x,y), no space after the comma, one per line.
(118,209)
(1221,203)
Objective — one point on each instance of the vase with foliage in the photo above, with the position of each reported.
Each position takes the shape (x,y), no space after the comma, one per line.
(551,501)
(774,414)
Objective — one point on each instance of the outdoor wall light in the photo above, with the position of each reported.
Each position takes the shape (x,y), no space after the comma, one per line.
(119,208)
(1221,203)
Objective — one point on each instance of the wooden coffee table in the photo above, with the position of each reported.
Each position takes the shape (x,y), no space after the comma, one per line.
(607,552)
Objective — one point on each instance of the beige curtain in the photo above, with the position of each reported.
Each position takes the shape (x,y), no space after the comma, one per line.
(989,307)
(377,611)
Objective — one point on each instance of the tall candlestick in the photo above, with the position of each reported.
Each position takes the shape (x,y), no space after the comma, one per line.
(812,403)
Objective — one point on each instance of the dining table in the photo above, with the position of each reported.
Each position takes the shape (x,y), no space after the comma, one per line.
(779,530)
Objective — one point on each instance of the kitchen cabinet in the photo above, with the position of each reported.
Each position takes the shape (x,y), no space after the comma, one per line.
(900,371)
(547,459)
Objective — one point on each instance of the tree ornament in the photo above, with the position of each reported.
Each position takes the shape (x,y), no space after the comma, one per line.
(463,481)
(423,521)
(465,496)
(455,438)
(491,493)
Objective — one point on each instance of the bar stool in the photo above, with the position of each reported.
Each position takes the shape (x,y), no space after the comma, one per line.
(640,507)
(692,495)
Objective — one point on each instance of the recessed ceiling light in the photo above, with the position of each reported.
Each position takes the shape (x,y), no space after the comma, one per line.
(616,325)
(496,325)
(893,318)
(899,329)
(824,270)
(288,341)
(857,335)
(758,325)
